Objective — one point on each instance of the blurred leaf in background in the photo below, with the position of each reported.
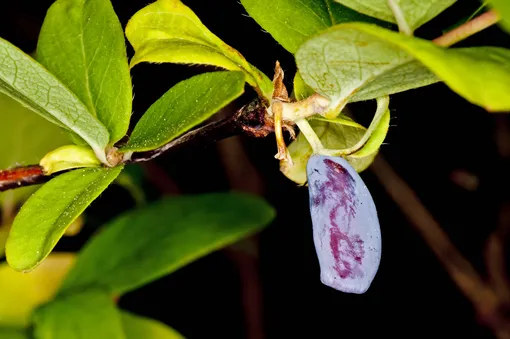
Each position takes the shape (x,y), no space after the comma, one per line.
(26,138)
(20,293)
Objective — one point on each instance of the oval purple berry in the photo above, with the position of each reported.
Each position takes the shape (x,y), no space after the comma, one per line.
(346,228)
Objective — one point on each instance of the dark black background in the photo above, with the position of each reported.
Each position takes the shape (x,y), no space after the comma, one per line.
(433,132)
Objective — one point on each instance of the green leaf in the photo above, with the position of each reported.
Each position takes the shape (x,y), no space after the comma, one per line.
(26,81)
(503,9)
(291,22)
(68,157)
(415,13)
(82,43)
(333,136)
(45,216)
(408,75)
(13,333)
(184,106)
(345,65)
(339,61)
(381,117)
(341,119)
(137,327)
(165,236)
(26,138)
(85,314)
(21,293)
(301,89)
(168,31)
(126,181)
(371,147)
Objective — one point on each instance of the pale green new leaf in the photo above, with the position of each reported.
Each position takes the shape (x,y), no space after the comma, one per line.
(340,61)
(45,216)
(401,78)
(83,314)
(163,237)
(184,106)
(169,31)
(374,142)
(415,12)
(332,136)
(82,43)
(408,75)
(137,327)
(68,157)
(503,8)
(340,119)
(291,22)
(368,145)
(379,124)
(26,81)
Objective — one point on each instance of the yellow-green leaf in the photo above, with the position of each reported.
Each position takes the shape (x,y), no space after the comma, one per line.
(375,140)
(169,31)
(137,327)
(68,157)
(184,106)
(333,136)
(46,215)
(301,89)
(21,293)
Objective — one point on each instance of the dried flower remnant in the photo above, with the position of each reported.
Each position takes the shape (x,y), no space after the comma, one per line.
(346,229)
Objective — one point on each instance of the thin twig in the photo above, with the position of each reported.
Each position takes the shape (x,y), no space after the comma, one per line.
(496,267)
(22,176)
(468,29)
(494,251)
(244,177)
(460,270)
(250,120)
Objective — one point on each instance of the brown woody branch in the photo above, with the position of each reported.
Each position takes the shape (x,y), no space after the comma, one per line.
(22,176)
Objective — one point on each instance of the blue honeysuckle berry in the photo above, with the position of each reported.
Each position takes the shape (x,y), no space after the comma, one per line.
(346,228)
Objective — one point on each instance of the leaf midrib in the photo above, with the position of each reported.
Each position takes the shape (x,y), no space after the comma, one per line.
(330,12)
(71,203)
(86,68)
